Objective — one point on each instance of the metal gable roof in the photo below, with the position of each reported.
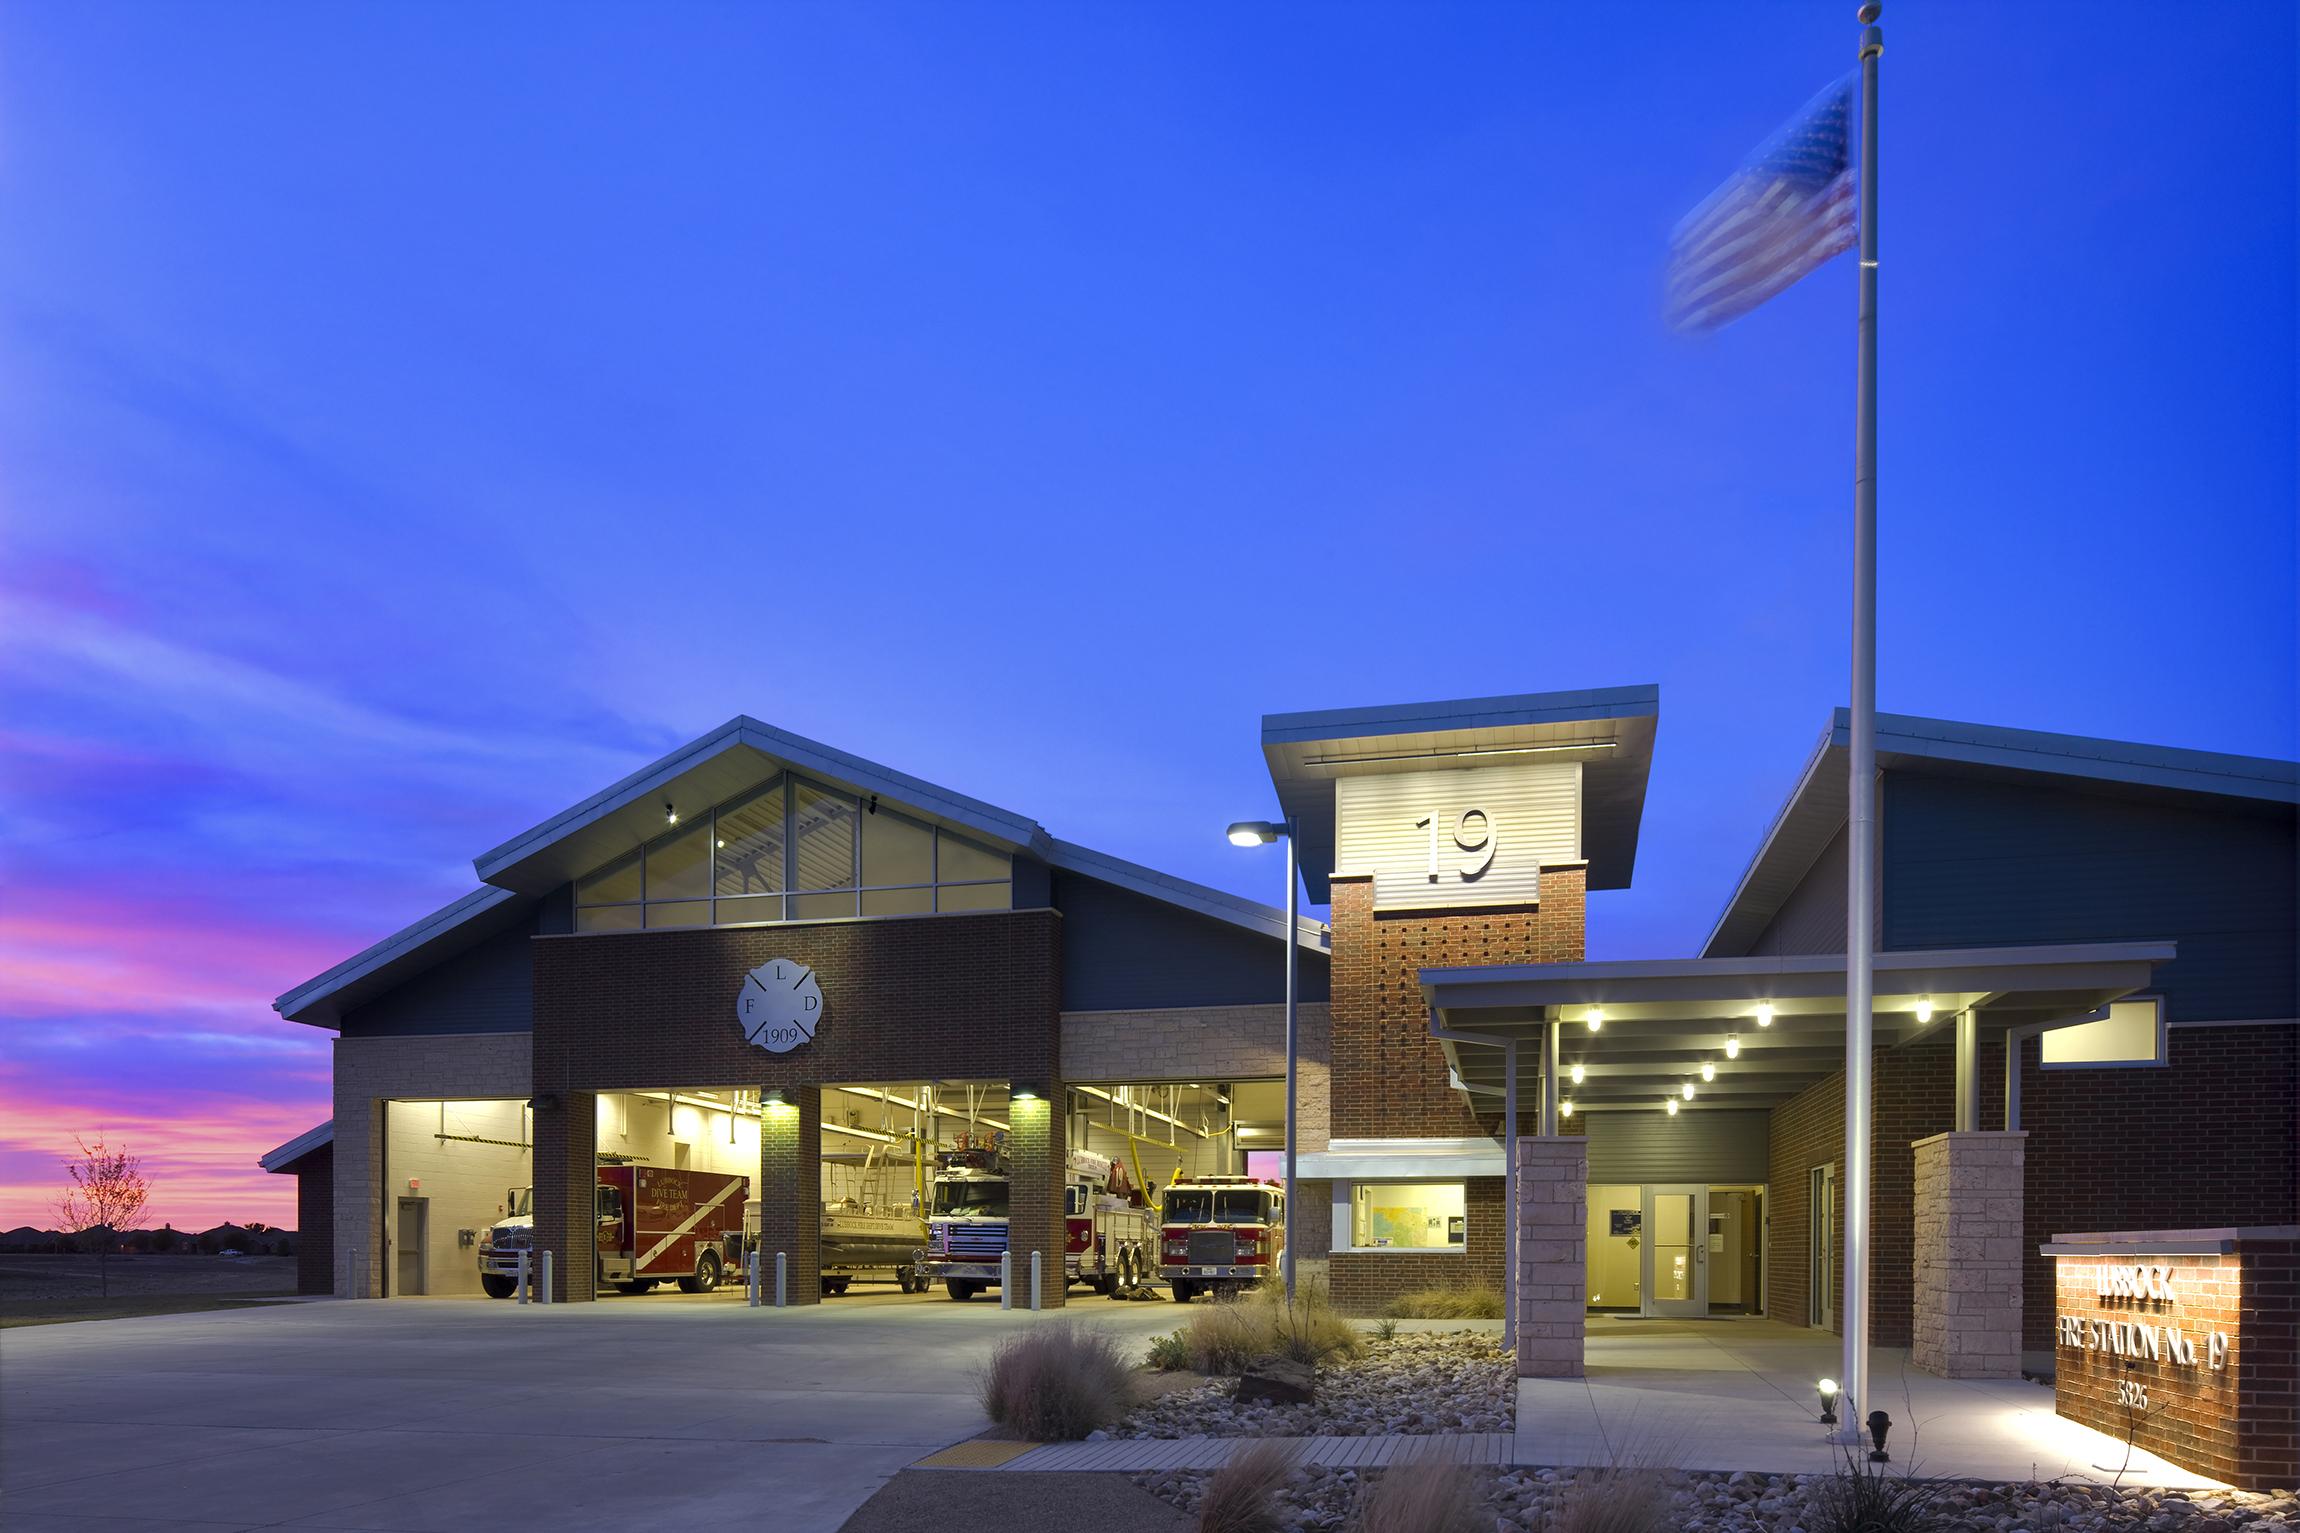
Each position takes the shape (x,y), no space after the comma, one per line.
(1268,920)
(1817,808)
(323,998)
(285,1157)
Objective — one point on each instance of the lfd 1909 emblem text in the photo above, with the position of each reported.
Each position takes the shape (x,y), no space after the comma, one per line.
(781,1005)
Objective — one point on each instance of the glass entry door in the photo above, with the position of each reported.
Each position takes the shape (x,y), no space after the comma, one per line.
(1676,1264)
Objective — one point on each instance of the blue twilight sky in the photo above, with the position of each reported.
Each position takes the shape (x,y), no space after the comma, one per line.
(413,417)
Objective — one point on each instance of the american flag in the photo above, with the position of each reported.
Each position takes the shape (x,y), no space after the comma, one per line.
(1787,209)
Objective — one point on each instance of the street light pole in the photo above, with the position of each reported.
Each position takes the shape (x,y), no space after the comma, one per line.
(1293,1033)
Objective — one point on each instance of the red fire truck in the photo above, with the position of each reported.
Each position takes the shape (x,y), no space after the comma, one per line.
(1219,1234)
(654,1225)
(1108,1232)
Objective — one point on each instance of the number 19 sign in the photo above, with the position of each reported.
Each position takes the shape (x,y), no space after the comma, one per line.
(781,1005)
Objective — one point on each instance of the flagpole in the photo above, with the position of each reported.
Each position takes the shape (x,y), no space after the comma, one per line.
(1860,909)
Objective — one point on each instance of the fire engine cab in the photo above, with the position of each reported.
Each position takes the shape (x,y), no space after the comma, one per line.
(1221,1233)
(1108,1232)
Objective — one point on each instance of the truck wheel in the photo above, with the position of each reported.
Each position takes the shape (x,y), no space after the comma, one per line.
(836,1285)
(636,1286)
(906,1281)
(497,1286)
(706,1275)
(1182,1291)
(959,1290)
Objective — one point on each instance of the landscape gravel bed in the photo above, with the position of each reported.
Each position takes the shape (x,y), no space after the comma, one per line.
(1319,1498)
(1416,1383)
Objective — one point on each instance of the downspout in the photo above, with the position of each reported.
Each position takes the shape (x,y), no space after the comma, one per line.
(1508,1047)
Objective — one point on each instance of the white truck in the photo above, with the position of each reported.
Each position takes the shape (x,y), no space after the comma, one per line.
(1111,1238)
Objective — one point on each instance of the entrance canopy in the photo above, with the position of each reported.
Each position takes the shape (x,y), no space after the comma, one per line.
(1768,1027)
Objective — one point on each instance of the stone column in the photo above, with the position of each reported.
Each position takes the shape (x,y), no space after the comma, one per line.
(1552,1255)
(1037,1159)
(566,1199)
(791,1194)
(1966,1319)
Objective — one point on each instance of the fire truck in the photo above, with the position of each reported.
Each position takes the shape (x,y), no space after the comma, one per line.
(655,1225)
(1221,1233)
(1109,1232)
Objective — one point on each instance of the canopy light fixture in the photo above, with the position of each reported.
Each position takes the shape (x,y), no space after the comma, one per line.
(1671,1104)
(1565,1107)
(1764,1013)
(1924,1009)
(1708,1071)
(1255,833)
(1595,1017)
(1732,1045)
(1580,1074)
(1686,1091)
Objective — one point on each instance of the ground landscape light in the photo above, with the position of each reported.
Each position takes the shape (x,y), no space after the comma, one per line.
(1708,1071)
(1828,1389)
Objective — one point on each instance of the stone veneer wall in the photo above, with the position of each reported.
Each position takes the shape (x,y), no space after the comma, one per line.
(1552,1255)
(1966,1319)
(368,1071)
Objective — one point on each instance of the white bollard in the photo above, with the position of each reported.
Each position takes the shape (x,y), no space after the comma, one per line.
(543,1289)
(1034,1282)
(351,1282)
(523,1277)
(782,1279)
(1006,1280)
(751,1281)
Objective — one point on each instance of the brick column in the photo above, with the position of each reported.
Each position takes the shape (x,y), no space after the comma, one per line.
(566,1206)
(791,1195)
(1552,1255)
(1037,1157)
(1966,1282)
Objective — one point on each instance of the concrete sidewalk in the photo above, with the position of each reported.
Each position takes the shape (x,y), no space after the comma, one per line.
(1738,1394)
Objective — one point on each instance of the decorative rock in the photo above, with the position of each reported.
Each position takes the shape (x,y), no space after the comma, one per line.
(1277,1381)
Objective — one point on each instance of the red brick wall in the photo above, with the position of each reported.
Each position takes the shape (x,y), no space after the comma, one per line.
(2239,1423)
(315,1222)
(1388,1075)
(2212,1140)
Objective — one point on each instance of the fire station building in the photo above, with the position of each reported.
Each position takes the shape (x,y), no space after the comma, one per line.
(2087,993)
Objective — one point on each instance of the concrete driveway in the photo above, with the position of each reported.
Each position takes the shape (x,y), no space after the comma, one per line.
(436,1416)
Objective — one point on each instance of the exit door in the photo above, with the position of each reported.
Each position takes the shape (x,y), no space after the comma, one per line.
(411,1247)
(1675,1267)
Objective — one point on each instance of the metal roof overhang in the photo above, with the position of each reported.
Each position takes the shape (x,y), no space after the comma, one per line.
(727,762)
(285,1157)
(1664,1019)
(1609,730)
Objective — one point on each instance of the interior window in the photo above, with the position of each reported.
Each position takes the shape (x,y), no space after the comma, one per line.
(1409,1216)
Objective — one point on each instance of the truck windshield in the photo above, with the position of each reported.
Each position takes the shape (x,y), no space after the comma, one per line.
(970,1200)
(1240,1207)
(522,1203)
(1189,1206)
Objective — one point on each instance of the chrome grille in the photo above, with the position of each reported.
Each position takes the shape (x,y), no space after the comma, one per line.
(1213,1248)
(973,1242)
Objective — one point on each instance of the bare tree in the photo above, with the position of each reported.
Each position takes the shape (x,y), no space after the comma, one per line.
(108,1192)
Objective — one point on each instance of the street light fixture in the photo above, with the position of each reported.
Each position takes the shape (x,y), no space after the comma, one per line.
(1262,833)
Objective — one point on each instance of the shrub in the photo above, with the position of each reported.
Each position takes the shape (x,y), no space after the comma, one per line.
(1310,1330)
(1425,1497)
(1169,1354)
(1228,1334)
(1243,1495)
(1868,1498)
(1477,1301)
(1385,1330)
(1615,1499)
(1054,1383)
